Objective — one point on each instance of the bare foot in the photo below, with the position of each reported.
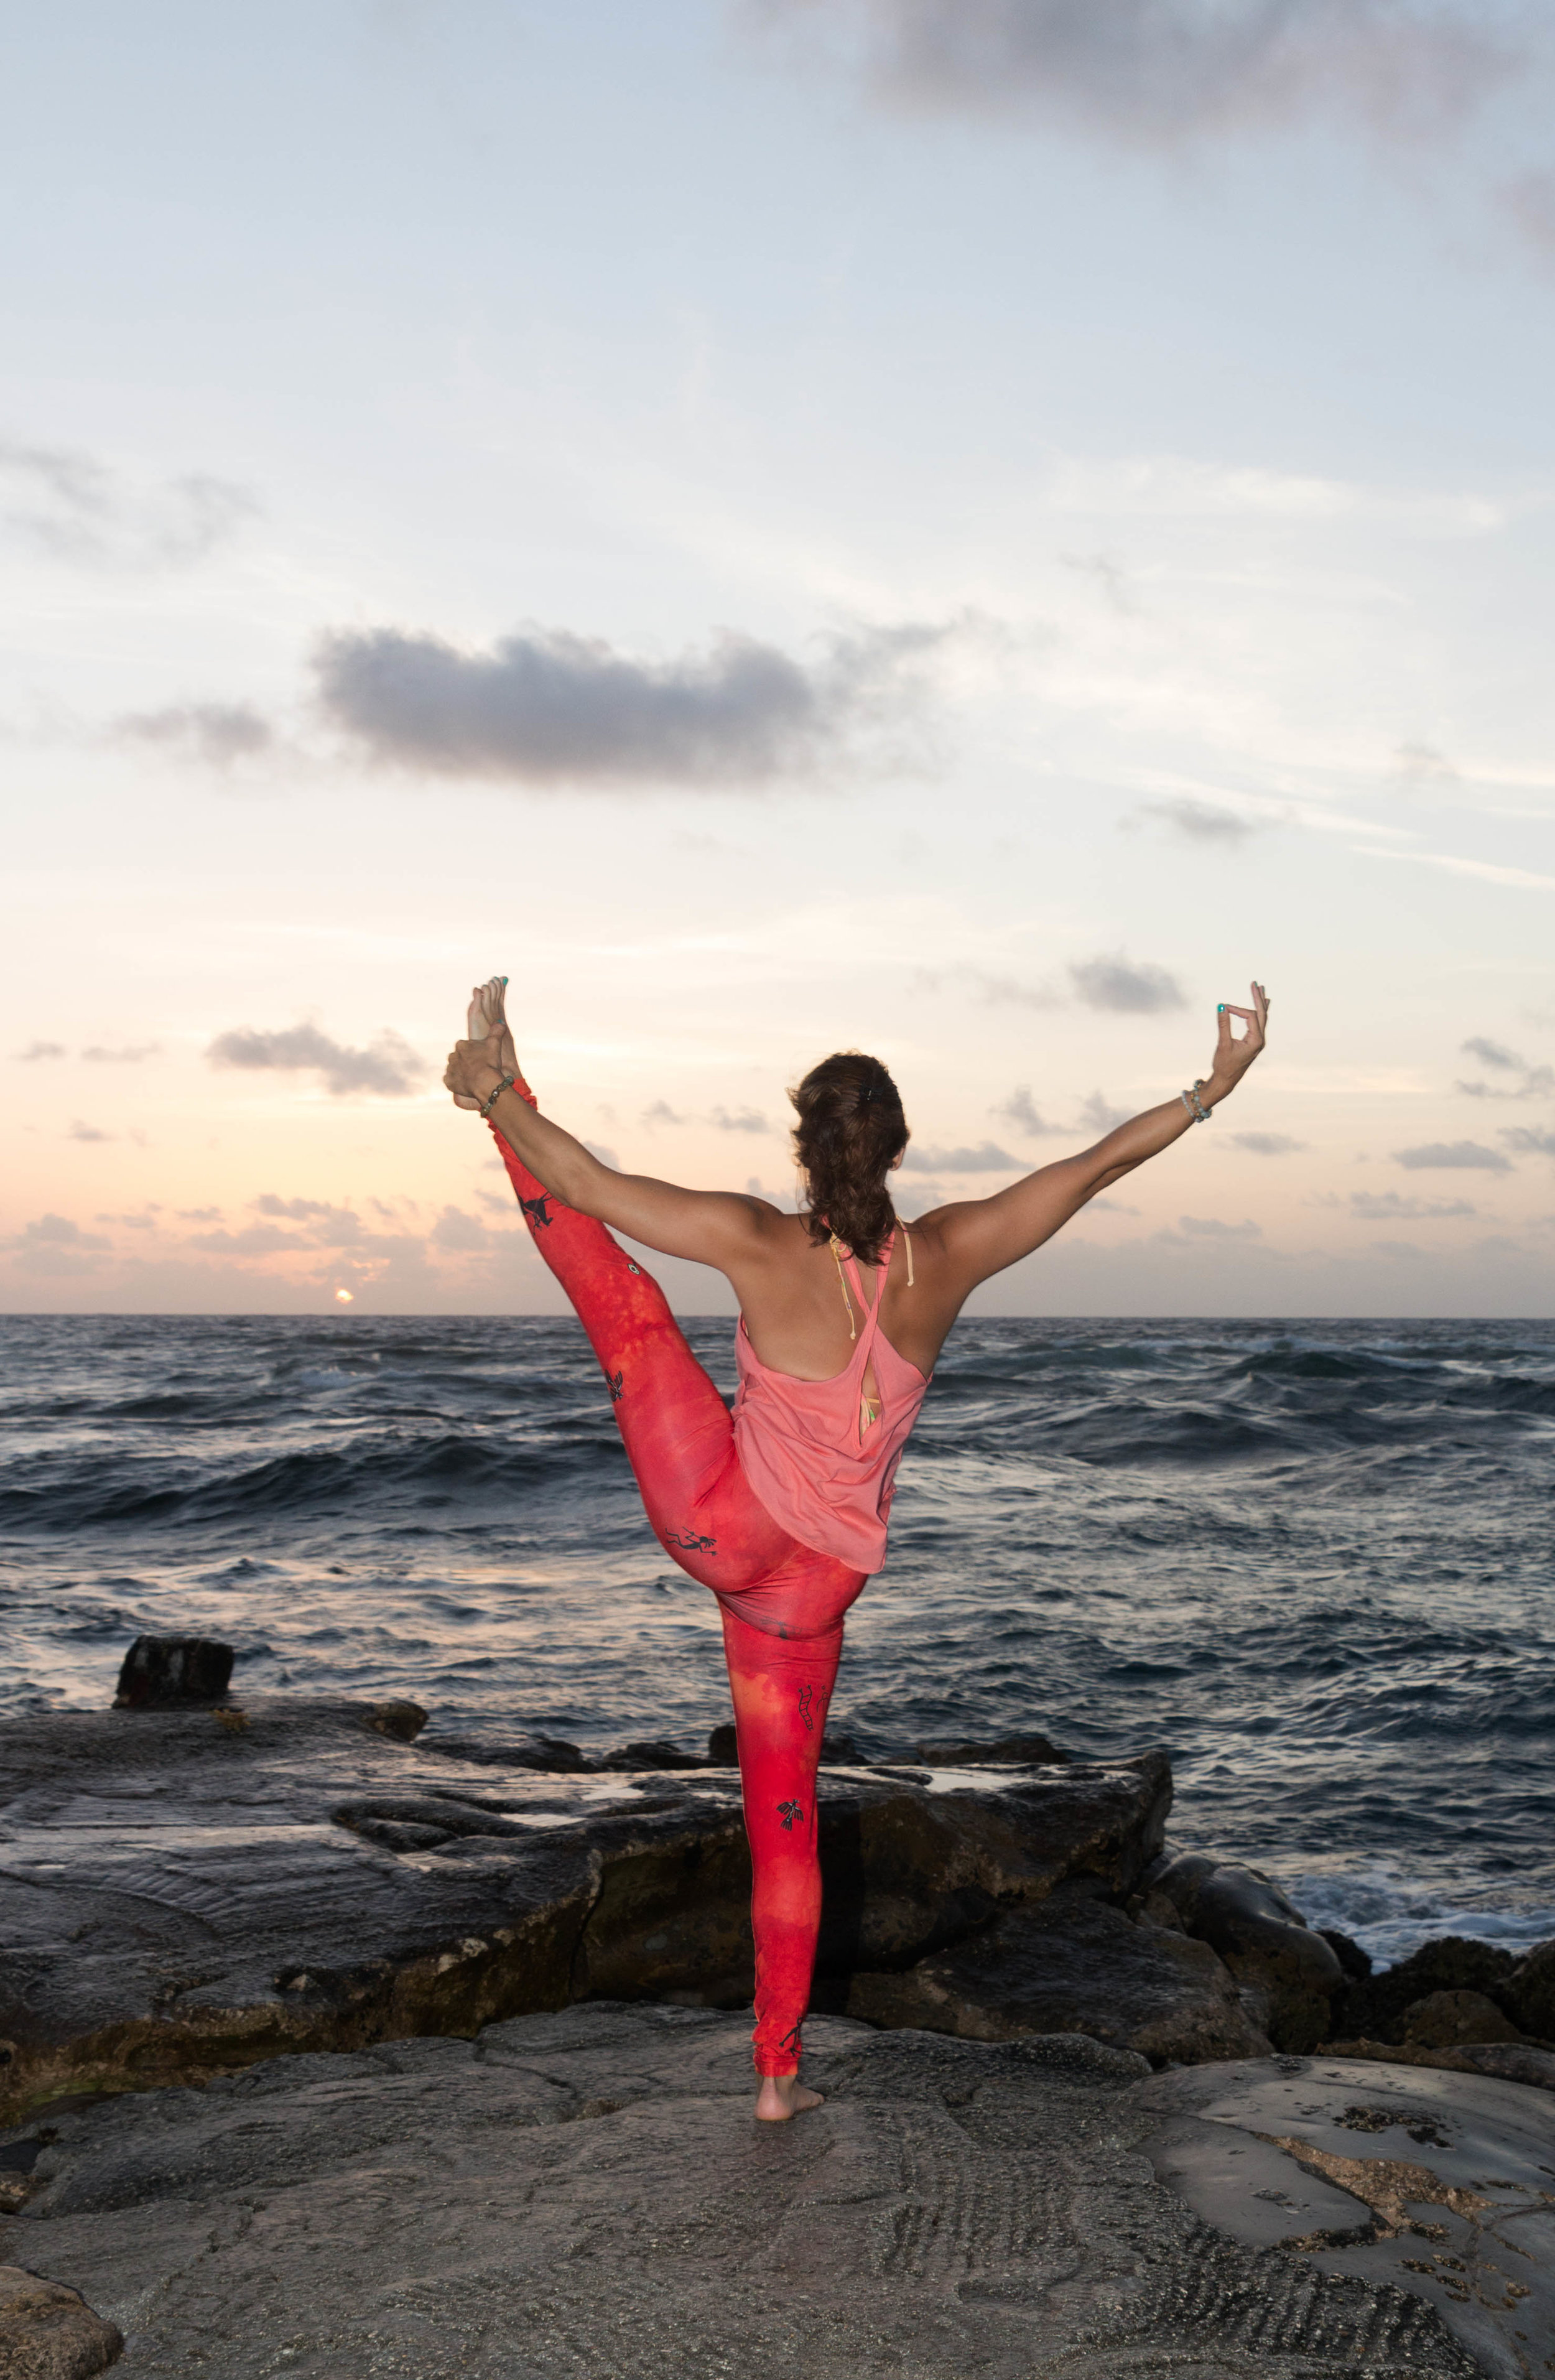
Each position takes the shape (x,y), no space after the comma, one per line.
(784,2096)
(486,1017)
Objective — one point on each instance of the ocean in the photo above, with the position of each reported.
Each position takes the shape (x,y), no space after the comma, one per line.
(1312,1561)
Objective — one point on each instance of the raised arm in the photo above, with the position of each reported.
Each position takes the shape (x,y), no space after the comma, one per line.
(713,1227)
(981,1236)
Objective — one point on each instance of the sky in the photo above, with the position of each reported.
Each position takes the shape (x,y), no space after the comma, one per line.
(961,528)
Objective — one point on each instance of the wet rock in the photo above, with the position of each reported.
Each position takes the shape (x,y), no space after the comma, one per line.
(1074,1963)
(1006,1752)
(550,1755)
(401,1721)
(1427,2182)
(172,1672)
(722,1747)
(1510,2062)
(178,1899)
(1264,1940)
(654,1754)
(48,2332)
(1442,2020)
(1528,1993)
(1374,2010)
(586,2193)
(1355,1963)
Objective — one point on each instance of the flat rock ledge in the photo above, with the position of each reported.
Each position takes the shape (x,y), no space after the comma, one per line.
(185,1891)
(585,2194)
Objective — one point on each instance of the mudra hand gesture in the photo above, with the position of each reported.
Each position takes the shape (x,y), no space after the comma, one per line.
(1234,1053)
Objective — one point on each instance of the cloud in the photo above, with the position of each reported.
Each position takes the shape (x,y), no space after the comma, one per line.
(462,1235)
(56,1231)
(662,1113)
(37,1049)
(1117,984)
(1388,1207)
(1019,1110)
(78,510)
(1213,1227)
(1102,1116)
(214,733)
(198,1214)
(998,988)
(130,1054)
(254,1240)
(1529,1144)
(1469,1156)
(1529,199)
(388,1067)
(331,1227)
(1532,1083)
(79,1131)
(1109,575)
(1199,821)
(742,1120)
(987,1158)
(546,706)
(1417,765)
(1265,1143)
(1161,72)
(595,1149)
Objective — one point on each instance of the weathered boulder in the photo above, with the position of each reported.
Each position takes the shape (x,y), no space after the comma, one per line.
(1073,1963)
(1264,1940)
(585,2194)
(1006,1752)
(1443,2019)
(1373,2009)
(1527,1994)
(172,1672)
(48,2332)
(184,1892)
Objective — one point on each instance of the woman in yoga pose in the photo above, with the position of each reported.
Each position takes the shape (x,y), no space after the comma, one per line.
(781,1507)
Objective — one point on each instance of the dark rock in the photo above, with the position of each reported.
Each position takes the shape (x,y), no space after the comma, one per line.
(1509,2061)
(401,1721)
(549,1754)
(724,1747)
(1528,1993)
(171,1672)
(1074,1963)
(585,2194)
(654,1754)
(1006,1752)
(1264,1940)
(840,1750)
(1374,2010)
(48,2332)
(178,1899)
(1355,1963)
(1442,2020)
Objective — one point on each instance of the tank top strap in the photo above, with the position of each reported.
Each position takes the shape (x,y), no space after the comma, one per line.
(872,1312)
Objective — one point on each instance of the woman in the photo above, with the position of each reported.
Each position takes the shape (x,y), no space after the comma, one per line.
(781,1507)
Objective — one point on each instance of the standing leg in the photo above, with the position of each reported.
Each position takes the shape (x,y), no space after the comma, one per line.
(782,1689)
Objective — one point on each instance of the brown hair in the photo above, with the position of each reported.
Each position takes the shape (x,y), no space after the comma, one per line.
(851,1131)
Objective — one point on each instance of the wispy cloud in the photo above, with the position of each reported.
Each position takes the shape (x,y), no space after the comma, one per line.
(987,1158)
(1120,984)
(1530,1144)
(1265,1143)
(79,1131)
(77,509)
(1527,1081)
(130,1054)
(37,1049)
(214,734)
(547,706)
(1019,1110)
(1215,1227)
(1109,575)
(1101,1114)
(739,1120)
(1204,822)
(1461,1156)
(388,1067)
(1162,72)
(1391,1207)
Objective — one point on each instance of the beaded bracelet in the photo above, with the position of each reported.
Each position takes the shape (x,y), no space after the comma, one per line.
(1194,1104)
(505,1085)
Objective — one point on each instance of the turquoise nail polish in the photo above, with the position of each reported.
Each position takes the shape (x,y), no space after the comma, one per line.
(1219,1008)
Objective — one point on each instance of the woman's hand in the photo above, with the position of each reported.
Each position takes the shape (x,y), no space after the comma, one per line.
(475,1069)
(1234,1055)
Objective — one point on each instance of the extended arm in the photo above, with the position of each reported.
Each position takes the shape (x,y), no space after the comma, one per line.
(984,1235)
(712,1227)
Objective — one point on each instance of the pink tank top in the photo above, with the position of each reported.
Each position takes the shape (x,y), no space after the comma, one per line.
(822,1475)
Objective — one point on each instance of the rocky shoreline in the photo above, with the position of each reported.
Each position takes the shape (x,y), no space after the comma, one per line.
(197,1897)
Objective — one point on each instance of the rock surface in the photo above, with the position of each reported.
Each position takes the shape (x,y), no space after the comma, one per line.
(584,2197)
(184,1892)
(1264,1940)
(170,1673)
(1438,2183)
(1074,1963)
(47,2332)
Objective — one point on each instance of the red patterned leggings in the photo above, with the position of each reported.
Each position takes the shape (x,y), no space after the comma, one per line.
(782,1604)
